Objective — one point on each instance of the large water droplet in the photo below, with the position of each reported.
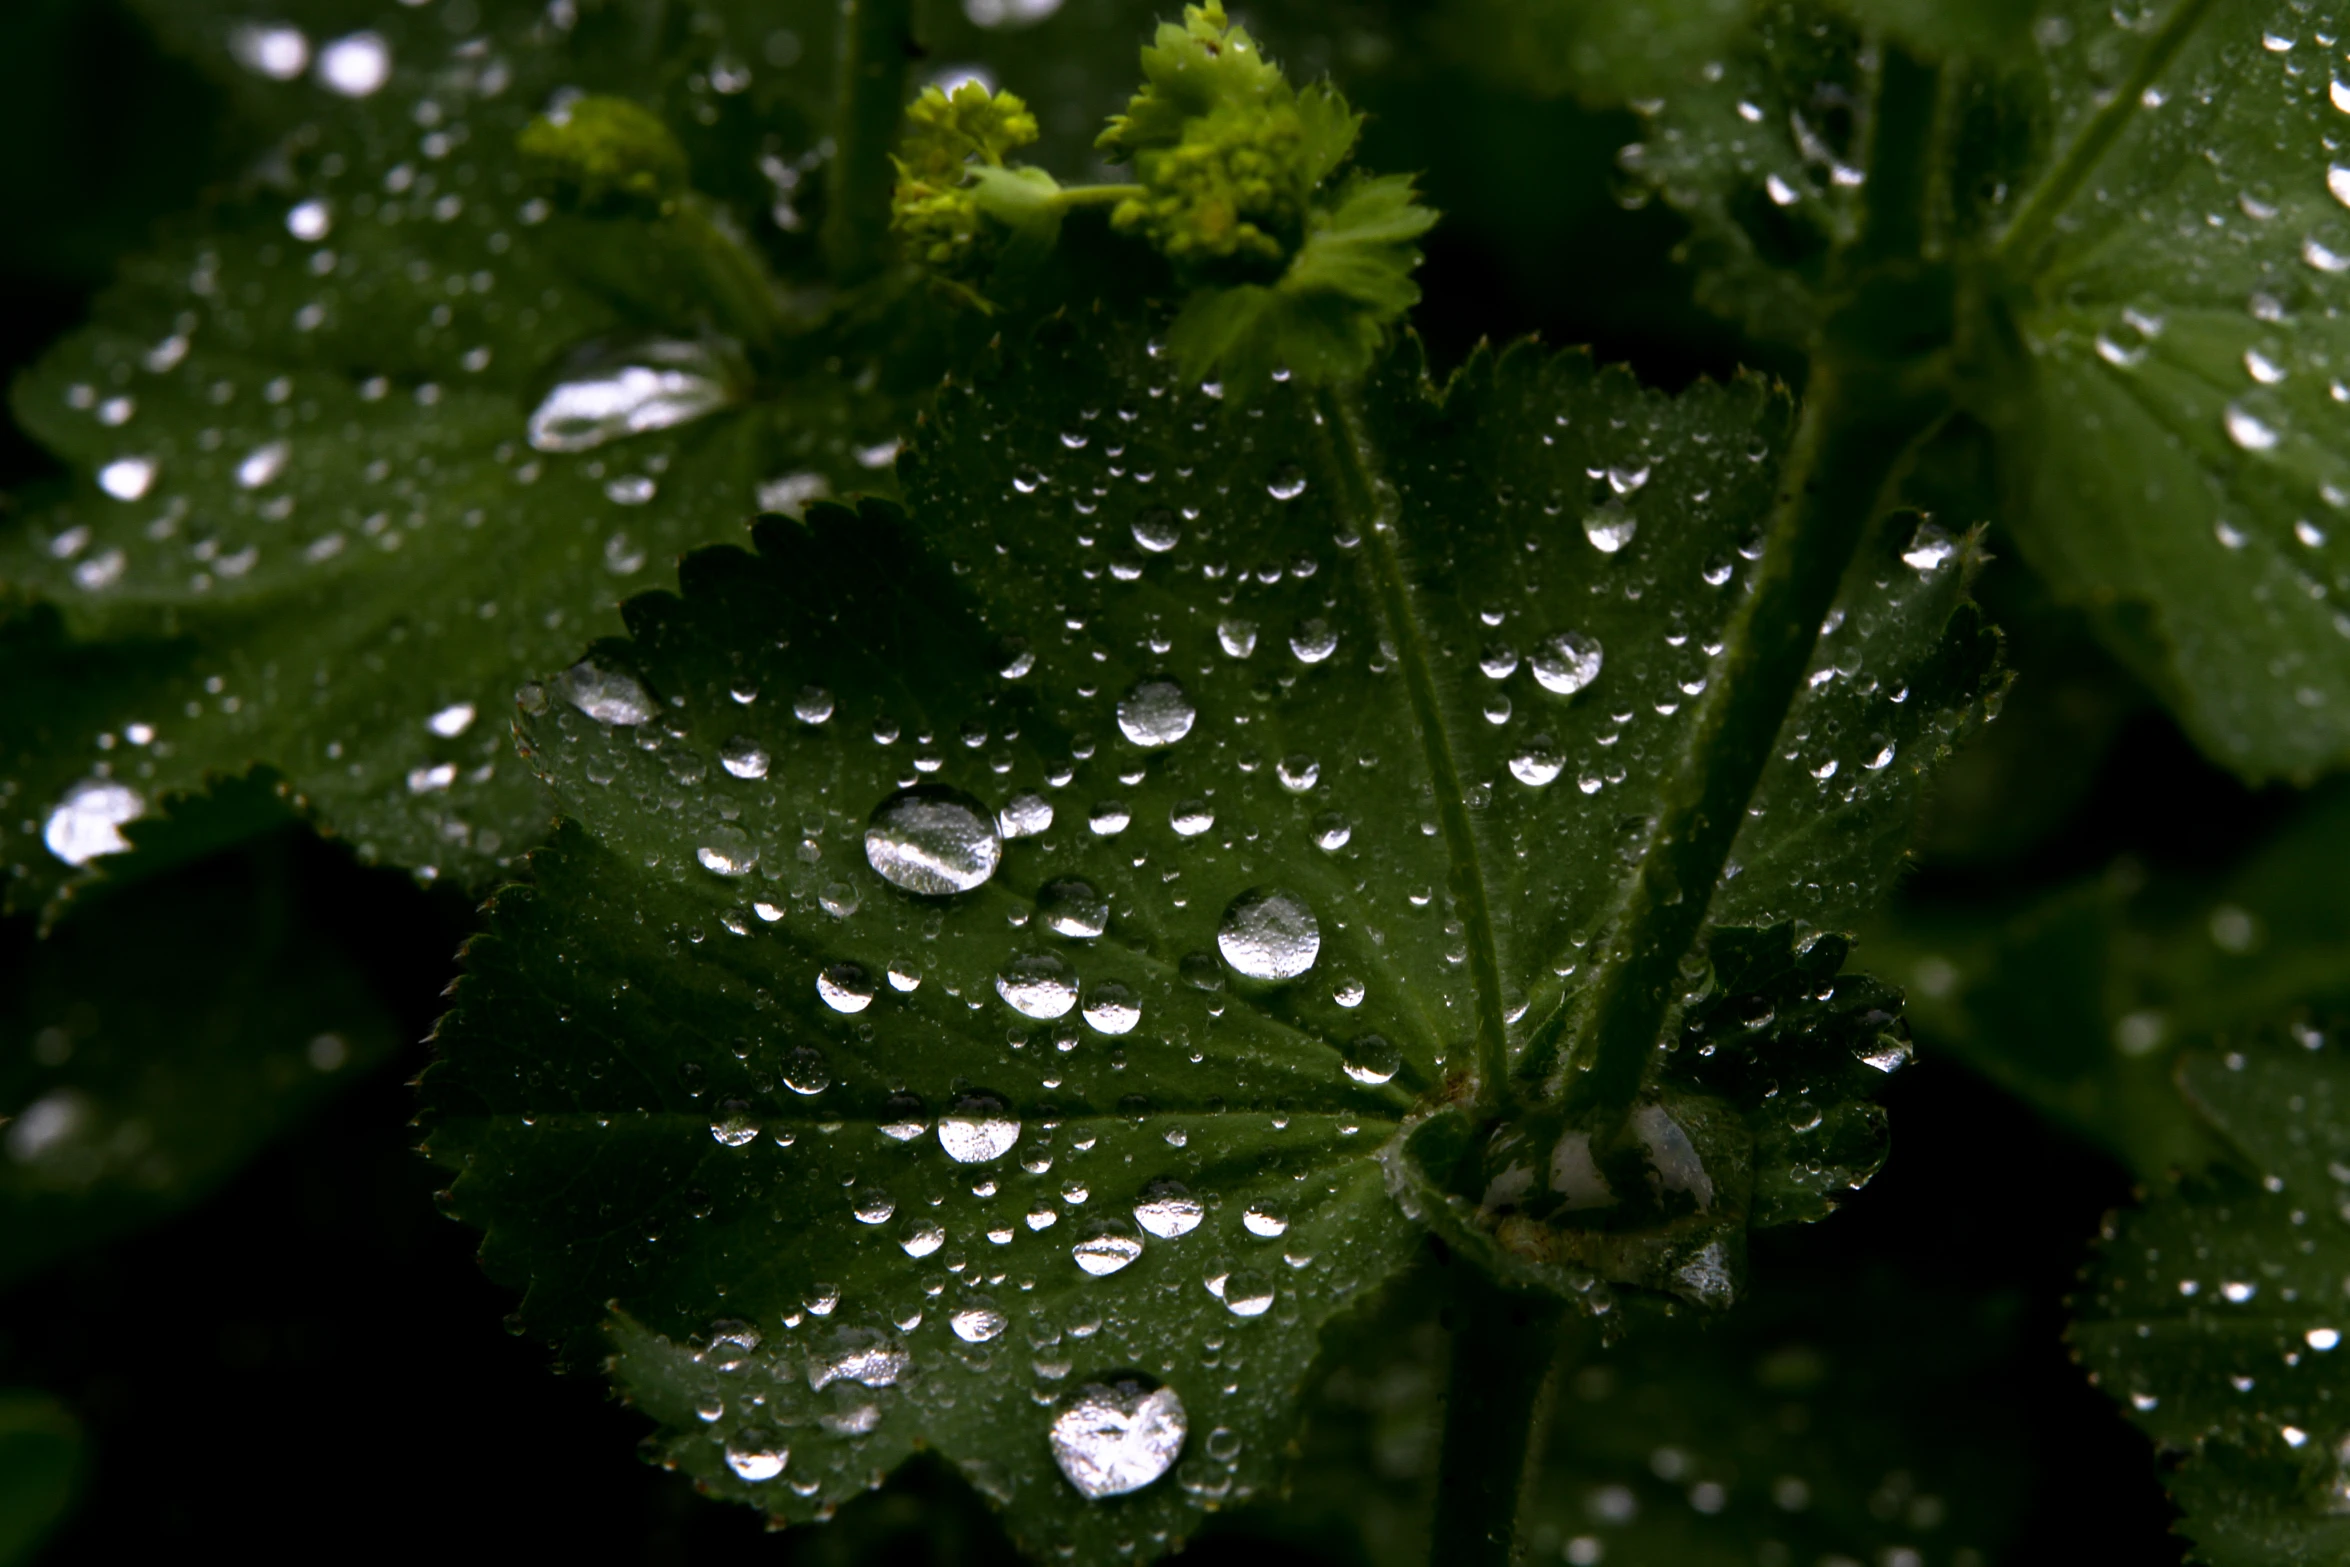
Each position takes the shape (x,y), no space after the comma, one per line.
(805,1071)
(1539,762)
(606,695)
(356,66)
(868,1357)
(1566,663)
(921,1237)
(1111,1008)
(845,987)
(610,391)
(977,1324)
(88,822)
(1157,530)
(1247,1293)
(1269,933)
(1110,1247)
(976,1129)
(728,850)
(1610,528)
(1025,815)
(1313,641)
(1111,1440)
(1037,985)
(933,840)
(1167,1209)
(1265,1221)
(1157,712)
(1073,908)
(1371,1059)
(755,1456)
(744,757)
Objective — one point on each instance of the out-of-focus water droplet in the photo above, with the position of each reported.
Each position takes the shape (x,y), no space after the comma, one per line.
(2248,430)
(2338,181)
(744,757)
(1038,985)
(356,66)
(1269,933)
(1610,528)
(1111,1008)
(977,1129)
(1371,1059)
(276,51)
(1167,1209)
(1930,549)
(1781,193)
(977,1324)
(1025,815)
(845,987)
(1567,662)
(869,1357)
(1157,712)
(1238,638)
(310,221)
(127,478)
(610,391)
(1073,908)
(608,696)
(88,821)
(813,705)
(1115,1439)
(933,840)
(1109,1248)
(727,850)
(451,721)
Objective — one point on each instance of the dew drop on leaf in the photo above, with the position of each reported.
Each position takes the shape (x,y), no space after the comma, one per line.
(1299,773)
(88,822)
(921,1237)
(845,987)
(1264,1221)
(744,757)
(1038,985)
(933,840)
(1157,712)
(1247,1293)
(813,705)
(1929,549)
(753,1456)
(1567,662)
(1190,818)
(611,391)
(1332,831)
(606,695)
(728,851)
(451,721)
(1025,815)
(1371,1059)
(976,1323)
(805,1071)
(902,1118)
(1112,1440)
(1609,529)
(1109,1248)
(1269,933)
(1073,908)
(1238,638)
(127,478)
(1157,530)
(1108,818)
(1539,762)
(1313,641)
(1167,1209)
(977,1129)
(1287,484)
(1499,661)
(1112,1008)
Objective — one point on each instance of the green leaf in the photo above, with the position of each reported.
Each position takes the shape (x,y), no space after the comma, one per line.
(127,1098)
(334,501)
(40,1470)
(1787,1430)
(2140,218)
(2216,1313)
(1161,800)
(2080,1001)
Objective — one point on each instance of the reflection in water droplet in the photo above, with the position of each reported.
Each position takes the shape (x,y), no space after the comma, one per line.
(1566,663)
(1264,1221)
(921,1237)
(1539,763)
(1268,933)
(805,1071)
(845,987)
(874,1206)
(613,391)
(1110,1247)
(1108,818)
(754,1456)
(278,52)
(605,695)
(1167,1209)
(1190,818)
(1298,773)
(1025,816)
(1332,831)
(1037,985)
(1238,638)
(976,1129)
(1247,1293)
(1073,908)
(1609,529)
(1499,661)
(1287,483)
(1313,641)
(1157,530)
(1371,1059)
(813,705)
(88,822)
(1157,712)
(728,850)
(1929,549)
(451,721)
(1111,1008)
(933,840)
(902,1118)
(1113,1440)
(977,1323)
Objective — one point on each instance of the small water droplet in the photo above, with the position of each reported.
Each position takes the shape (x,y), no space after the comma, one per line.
(1038,985)
(727,850)
(921,1237)
(1610,528)
(1157,712)
(1025,815)
(744,757)
(1298,773)
(1268,933)
(755,1457)
(1190,818)
(1157,530)
(1167,1209)
(1539,762)
(606,695)
(805,1071)
(1247,1292)
(1313,641)
(1567,662)
(1287,483)
(1332,831)
(977,1129)
(977,1324)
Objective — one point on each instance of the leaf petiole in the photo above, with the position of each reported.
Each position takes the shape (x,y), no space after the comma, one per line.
(877,38)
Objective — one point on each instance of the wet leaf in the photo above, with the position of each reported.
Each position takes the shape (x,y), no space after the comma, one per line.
(125,1098)
(1161,812)
(2216,1313)
(2081,1001)
(2142,225)
(40,1470)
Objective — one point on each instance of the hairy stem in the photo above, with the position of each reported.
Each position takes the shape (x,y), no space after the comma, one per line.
(1505,1373)
(876,46)
(1383,555)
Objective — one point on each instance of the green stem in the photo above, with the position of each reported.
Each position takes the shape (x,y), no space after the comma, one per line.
(1506,1368)
(876,44)
(2053,193)
(1361,498)
(1070,196)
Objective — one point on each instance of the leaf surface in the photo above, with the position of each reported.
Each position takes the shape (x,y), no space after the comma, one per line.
(2216,1313)
(2145,212)
(1157,684)
(40,1470)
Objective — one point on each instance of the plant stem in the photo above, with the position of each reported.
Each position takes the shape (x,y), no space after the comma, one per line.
(876,43)
(1362,501)
(1505,1374)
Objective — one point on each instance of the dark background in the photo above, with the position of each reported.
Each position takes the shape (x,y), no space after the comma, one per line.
(311,1360)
